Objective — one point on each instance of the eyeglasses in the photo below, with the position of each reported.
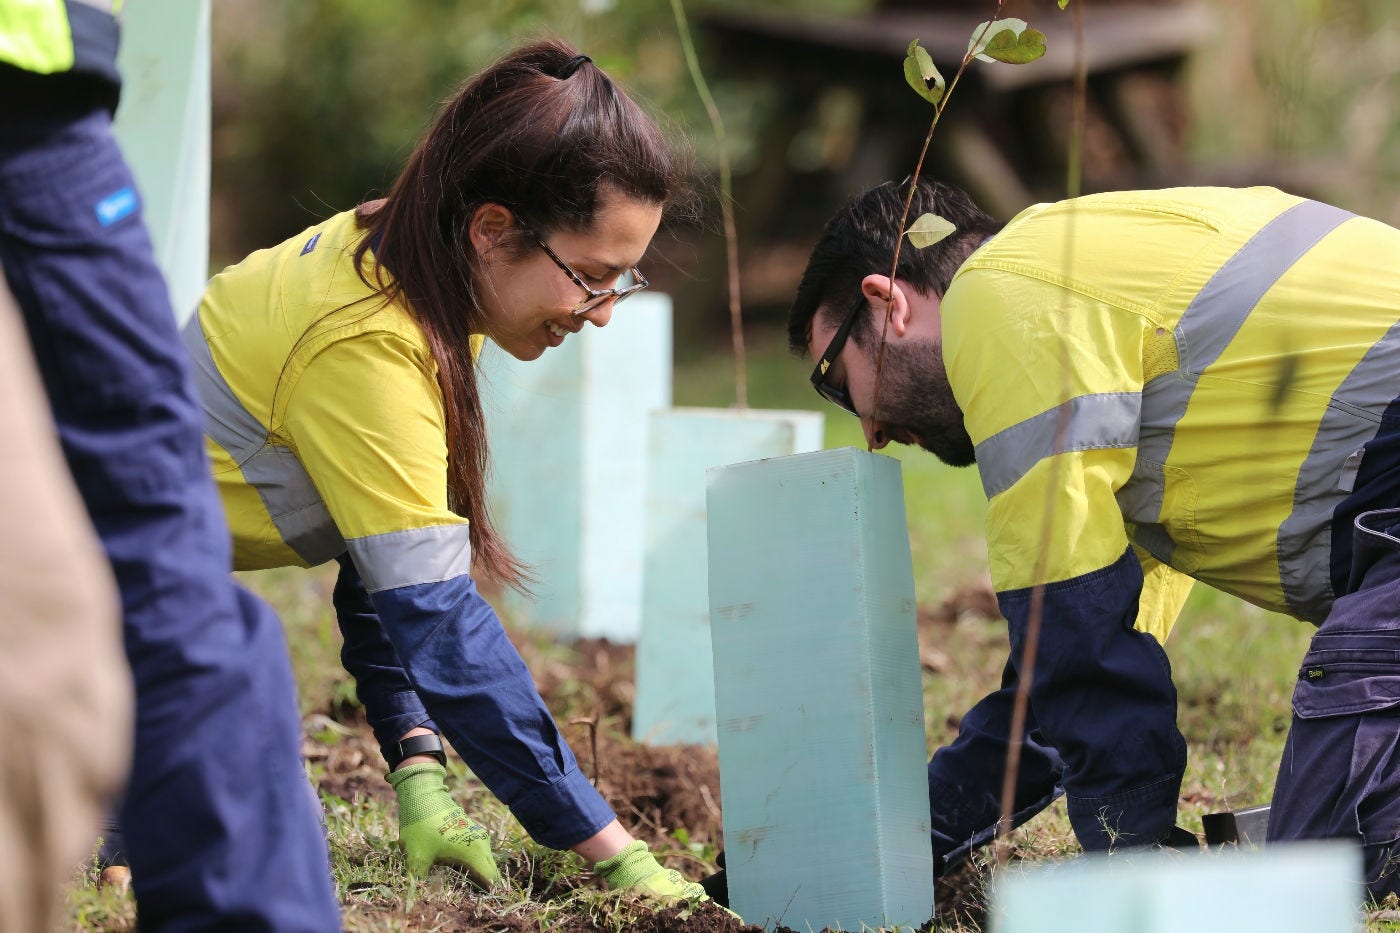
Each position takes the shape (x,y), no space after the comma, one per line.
(825,389)
(592,297)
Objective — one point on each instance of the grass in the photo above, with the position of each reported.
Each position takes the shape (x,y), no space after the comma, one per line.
(1233,665)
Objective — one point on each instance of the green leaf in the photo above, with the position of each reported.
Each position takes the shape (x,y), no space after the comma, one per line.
(928,230)
(922,74)
(1064,3)
(1017,50)
(986,32)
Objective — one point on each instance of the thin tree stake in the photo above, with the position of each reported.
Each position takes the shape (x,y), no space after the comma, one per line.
(1026,672)
(909,200)
(726,205)
(592,724)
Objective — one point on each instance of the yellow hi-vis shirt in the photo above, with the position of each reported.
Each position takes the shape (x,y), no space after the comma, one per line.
(326,429)
(325,419)
(1194,372)
(59,36)
(1160,385)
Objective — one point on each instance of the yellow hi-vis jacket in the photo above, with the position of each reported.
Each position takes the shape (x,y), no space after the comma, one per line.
(327,428)
(327,434)
(47,37)
(1161,386)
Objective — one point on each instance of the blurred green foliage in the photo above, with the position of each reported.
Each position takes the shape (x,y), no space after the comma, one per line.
(1307,93)
(318,102)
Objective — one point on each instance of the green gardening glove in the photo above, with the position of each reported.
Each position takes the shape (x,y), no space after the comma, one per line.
(637,871)
(433,829)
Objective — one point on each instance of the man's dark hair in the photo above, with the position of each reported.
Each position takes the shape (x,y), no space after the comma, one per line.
(860,240)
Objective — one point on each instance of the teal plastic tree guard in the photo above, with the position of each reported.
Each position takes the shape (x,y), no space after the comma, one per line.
(162,126)
(675,700)
(1312,887)
(817,693)
(568,466)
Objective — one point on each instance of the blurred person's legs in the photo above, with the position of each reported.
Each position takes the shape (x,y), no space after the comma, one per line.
(221,828)
(65,699)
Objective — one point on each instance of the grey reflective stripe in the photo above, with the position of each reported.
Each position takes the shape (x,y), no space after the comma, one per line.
(225,418)
(291,499)
(1352,418)
(1206,328)
(408,558)
(1091,422)
(294,505)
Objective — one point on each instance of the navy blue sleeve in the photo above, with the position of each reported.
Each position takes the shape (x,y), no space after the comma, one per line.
(1102,717)
(477,688)
(391,704)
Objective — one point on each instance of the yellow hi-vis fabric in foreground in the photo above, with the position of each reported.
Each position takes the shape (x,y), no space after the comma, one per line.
(46,37)
(35,36)
(325,418)
(1193,372)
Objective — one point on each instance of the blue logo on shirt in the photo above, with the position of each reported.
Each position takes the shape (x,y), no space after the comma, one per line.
(115,206)
(310,244)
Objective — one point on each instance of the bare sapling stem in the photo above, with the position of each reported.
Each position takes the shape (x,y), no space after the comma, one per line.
(909,200)
(592,723)
(726,204)
(1074,182)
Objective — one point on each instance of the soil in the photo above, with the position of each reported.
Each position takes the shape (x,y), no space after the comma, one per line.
(655,790)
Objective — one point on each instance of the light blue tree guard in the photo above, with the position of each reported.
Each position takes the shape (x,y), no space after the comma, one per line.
(568,466)
(675,700)
(1312,887)
(817,692)
(162,126)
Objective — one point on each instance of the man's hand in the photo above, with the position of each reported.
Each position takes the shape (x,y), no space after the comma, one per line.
(637,871)
(433,829)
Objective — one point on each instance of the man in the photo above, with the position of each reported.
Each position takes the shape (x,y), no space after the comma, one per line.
(221,829)
(1155,386)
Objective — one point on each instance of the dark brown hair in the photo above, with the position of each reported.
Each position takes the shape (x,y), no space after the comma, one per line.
(859,240)
(539,133)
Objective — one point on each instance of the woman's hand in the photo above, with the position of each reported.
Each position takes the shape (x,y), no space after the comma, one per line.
(637,871)
(435,830)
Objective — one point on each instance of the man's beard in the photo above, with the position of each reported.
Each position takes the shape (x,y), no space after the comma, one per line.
(916,403)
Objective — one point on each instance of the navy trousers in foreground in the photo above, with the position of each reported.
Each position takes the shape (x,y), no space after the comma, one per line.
(222,830)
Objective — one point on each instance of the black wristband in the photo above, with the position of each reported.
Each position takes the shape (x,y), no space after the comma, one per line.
(428,744)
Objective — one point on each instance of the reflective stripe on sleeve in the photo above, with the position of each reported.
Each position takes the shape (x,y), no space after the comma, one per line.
(226,419)
(1089,422)
(291,499)
(408,558)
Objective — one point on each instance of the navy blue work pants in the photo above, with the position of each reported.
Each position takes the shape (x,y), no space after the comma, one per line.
(221,828)
(1339,777)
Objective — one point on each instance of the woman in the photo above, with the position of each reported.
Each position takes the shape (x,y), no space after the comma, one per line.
(339,381)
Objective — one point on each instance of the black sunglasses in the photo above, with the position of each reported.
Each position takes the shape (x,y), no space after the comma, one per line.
(826,390)
(592,297)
